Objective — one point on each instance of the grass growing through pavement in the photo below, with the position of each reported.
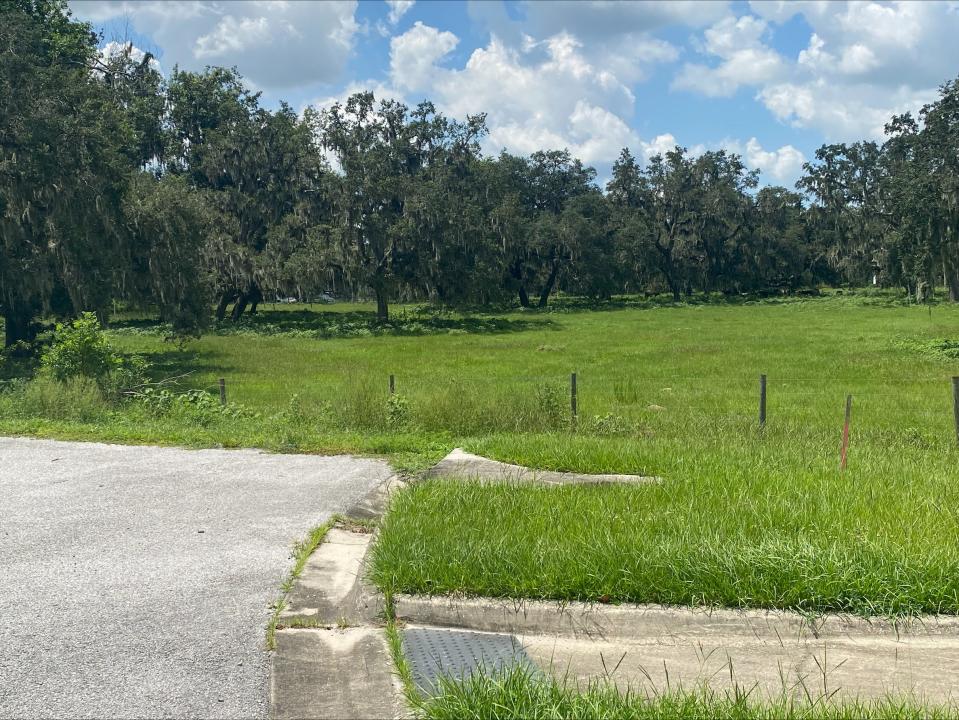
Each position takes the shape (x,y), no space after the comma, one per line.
(515,694)
(301,553)
(814,543)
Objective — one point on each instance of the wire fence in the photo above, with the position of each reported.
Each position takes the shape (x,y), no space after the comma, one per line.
(568,399)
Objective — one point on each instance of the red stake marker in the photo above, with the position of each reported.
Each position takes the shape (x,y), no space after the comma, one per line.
(845,433)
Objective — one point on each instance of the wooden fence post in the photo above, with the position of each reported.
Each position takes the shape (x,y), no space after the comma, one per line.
(955,404)
(762,401)
(222,391)
(845,433)
(572,397)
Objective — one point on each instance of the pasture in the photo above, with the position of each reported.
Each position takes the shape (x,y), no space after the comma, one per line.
(744,516)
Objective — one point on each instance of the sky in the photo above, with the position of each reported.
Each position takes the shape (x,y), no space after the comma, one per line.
(769,80)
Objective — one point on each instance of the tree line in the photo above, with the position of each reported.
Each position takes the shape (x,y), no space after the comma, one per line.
(185,194)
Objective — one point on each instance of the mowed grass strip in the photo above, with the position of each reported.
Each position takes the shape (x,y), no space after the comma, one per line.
(811,543)
(516,694)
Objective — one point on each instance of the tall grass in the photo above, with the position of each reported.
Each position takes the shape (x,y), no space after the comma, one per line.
(814,544)
(518,694)
(743,516)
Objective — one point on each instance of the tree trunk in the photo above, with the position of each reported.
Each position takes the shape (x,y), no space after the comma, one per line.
(548,287)
(240,306)
(221,306)
(382,305)
(673,286)
(523,297)
(950,274)
(255,296)
(17,326)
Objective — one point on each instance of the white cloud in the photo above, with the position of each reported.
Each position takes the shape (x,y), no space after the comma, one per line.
(399,8)
(659,145)
(782,166)
(276,45)
(546,96)
(847,113)
(113,48)
(744,59)
(617,36)
(549,96)
(414,54)
(232,35)
(601,19)
(865,61)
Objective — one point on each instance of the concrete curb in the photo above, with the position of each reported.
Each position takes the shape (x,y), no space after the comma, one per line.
(466,465)
(602,622)
(332,659)
(645,648)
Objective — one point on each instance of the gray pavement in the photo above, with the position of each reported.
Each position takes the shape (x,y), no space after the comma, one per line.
(136,581)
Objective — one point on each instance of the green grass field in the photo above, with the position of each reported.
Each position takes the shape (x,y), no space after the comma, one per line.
(743,516)
(499,384)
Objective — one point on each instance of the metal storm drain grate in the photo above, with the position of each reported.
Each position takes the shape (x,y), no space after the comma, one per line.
(432,652)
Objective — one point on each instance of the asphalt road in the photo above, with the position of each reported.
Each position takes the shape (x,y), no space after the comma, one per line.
(137,581)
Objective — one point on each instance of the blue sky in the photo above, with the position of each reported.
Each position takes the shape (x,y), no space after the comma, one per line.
(769,80)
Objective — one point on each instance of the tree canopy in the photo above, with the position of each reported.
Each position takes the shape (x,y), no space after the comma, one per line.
(183,194)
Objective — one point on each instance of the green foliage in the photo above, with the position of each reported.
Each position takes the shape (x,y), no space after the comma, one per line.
(397,411)
(77,399)
(193,405)
(80,349)
(943,348)
(551,405)
(610,424)
(517,692)
(130,374)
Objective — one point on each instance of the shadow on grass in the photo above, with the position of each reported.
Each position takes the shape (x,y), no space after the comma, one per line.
(865,297)
(14,368)
(356,323)
(185,364)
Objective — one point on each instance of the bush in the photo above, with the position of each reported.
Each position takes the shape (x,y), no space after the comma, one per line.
(130,373)
(196,406)
(397,411)
(80,349)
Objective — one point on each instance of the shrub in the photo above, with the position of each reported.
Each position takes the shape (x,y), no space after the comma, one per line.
(397,411)
(194,406)
(130,373)
(79,349)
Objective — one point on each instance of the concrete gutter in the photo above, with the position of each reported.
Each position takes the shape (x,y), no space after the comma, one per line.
(332,659)
(598,621)
(651,648)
